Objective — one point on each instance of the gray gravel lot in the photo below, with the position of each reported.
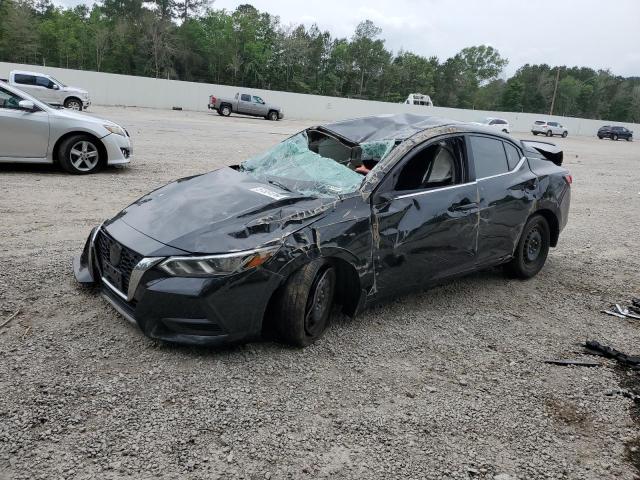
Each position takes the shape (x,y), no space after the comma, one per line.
(446,383)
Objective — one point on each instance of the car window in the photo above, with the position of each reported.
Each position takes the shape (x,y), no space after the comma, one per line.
(44,82)
(24,79)
(438,165)
(489,156)
(513,155)
(539,122)
(257,99)
(9,100)
(245,97)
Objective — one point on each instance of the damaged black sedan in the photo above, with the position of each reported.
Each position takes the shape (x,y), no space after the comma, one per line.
(340,214)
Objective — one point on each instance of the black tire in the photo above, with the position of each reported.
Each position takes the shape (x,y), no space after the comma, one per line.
(614,137)
(75,158)
(272,115)
(532,250)
(600,137)
(305,303)
(549,133)
(535,134)
(564,134)
(628,139)
(73,103)
(219,112)
(225,110)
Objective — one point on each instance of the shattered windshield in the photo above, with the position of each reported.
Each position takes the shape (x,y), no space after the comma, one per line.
(320,166)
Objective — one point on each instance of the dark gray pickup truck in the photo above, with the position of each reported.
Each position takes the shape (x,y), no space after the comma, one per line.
(245,104)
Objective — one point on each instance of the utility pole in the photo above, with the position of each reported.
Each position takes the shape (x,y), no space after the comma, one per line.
(555,90)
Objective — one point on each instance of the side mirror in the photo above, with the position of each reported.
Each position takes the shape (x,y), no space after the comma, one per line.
(26,105)
(56,86)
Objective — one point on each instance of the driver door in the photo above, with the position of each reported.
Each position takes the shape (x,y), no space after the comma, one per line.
(24,135)
(425,217)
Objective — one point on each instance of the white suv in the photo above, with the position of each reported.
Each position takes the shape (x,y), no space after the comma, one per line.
(50,90)
(496,123)
(548,128)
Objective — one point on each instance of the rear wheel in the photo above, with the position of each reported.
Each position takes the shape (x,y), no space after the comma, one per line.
(225,110)
(535,133)
(73,104)
(600,137)
(532,250)
(549,133)
(305,304)
(614,137)
(79,154)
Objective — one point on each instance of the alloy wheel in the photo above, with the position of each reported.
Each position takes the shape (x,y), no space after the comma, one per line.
(84,156)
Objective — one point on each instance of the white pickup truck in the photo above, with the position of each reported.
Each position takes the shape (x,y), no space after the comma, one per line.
(49,90)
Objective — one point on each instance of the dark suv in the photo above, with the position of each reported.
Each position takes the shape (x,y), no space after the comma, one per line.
(614,133)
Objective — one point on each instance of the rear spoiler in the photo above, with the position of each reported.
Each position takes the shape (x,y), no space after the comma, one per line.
(544,150)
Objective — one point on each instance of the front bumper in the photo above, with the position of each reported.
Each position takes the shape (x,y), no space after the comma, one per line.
(119,149)
(86,104)
(193,311)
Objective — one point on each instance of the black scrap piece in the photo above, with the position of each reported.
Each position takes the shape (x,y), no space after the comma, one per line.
(597,349)
(577,363)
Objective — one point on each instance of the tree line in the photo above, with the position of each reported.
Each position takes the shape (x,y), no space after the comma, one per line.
(190,40)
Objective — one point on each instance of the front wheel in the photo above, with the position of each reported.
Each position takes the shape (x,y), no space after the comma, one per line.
(305,304)
(73,104)
(79,154)
(532,250)
(273,115)
(564,134)
(615,137)
(549,133)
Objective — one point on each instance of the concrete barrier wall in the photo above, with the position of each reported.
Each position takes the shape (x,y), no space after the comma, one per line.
(125,90)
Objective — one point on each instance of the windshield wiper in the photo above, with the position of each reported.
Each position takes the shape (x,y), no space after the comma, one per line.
(278,184)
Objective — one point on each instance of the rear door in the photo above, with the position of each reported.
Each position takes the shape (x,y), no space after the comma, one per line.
(245,104)
(23,134)
(507,190)
(425,217)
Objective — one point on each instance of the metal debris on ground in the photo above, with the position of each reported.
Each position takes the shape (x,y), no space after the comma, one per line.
(577,363)
(595,348)
(630,311)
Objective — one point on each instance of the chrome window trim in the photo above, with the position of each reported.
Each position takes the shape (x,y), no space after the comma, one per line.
(515,169)
(440,189)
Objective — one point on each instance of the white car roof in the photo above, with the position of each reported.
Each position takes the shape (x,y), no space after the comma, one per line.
(24,72)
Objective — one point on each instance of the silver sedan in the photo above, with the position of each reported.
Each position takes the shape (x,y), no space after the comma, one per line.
(33,132)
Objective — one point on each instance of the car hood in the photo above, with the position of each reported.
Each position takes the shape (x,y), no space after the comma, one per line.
(221,211)
(79,116)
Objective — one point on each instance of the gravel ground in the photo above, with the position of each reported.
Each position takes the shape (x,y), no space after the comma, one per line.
(446,383)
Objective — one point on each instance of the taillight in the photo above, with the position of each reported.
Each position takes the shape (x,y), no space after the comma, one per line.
(568,178)
(212,99)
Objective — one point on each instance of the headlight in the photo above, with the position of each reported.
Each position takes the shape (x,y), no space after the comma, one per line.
(217,265)
(115,129)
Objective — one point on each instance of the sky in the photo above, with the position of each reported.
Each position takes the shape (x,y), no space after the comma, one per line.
(556,32)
